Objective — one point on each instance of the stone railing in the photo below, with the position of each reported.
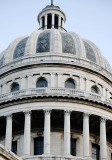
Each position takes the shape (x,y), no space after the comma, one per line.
(43,157)
(63,92)
(55,59)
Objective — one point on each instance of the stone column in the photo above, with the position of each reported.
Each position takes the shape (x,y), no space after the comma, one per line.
(0,89)
(103,145)
(82,83)
(4,88)
(47,132)
(59,21)
(8,136)
(88,86)
(67,132)
(52,20)
(27,132)
(60,79)
(30,81)
(53,79)
(23,82)
(104,91)
(86,153)
(46,21)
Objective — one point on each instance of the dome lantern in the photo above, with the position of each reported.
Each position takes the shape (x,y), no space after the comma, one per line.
(51,17)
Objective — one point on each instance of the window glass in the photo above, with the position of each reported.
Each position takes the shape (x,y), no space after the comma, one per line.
(14,147)
(95,151)
(41,83)
(14,87)
(73,147)
(38,145)
(70,84)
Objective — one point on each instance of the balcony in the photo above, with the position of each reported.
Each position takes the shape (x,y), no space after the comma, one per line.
(55,92)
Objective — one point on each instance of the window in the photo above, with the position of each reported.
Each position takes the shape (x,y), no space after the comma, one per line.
(14,147)
(70,84)
(94,89)
(14,87)
(38,145)
(49,21)
(95,152)
(41,83)
(73,147)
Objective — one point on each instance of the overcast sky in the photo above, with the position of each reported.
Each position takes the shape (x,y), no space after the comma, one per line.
(91,19)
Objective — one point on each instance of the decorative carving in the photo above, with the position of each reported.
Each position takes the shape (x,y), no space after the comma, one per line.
(47,111)
(20,48)
(89,52)
(103,119)
(43,42)
(86,114)
(67,112)
(27,112)
(68,45)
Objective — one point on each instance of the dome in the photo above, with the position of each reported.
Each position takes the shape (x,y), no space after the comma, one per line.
(54,42)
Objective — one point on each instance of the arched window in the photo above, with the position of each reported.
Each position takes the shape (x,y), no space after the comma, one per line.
(14,87)
(38,145)
(41,83)
(70,84)
(94,89)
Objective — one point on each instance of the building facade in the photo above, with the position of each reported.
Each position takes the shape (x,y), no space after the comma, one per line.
(55,94)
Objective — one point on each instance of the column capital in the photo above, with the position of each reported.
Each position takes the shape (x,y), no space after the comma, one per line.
(27,112)
(86,114)
(67,112)
(47,111)
(103,119)
(8,115)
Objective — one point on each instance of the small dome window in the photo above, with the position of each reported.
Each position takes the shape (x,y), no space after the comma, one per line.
(14,87)
(95,89)
(68,45)
(43,42)
(20,48)
(70,84)
(89,52)
(41,83)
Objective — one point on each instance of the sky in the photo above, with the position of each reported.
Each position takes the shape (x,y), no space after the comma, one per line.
(91,19)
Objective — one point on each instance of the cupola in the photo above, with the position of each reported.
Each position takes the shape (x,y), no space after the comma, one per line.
(51,17)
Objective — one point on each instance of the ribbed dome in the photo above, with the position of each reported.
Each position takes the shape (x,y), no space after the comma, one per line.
(54,41)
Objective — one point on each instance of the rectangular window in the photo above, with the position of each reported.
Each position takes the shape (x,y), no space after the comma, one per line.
(73,147)
(38,145)
(14,147)
(95,152)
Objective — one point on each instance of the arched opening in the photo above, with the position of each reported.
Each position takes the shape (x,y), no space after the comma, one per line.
(56,22)
(49,21)
(41,83)
(70,84)
(14,87)
(94,89)
(38,145)
(73,147)
(61,22)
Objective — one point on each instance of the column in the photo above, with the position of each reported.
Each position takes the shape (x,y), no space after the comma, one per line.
(86,135)
(88,86)
(0,89)
(8,136)
(82,83)
(67,132)
(23,82)
(62,23)
(52,20)
(60,78)
(59,21)
(30,81)
(103,145)
(53,79)
(104,91)
(47,132)
(27,132)
(46,21)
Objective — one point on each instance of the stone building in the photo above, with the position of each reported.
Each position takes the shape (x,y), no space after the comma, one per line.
(55,94)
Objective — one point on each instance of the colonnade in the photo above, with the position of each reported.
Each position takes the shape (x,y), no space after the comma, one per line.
(67,134)
(60,21)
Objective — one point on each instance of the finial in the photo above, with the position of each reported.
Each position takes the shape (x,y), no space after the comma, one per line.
(51,2)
